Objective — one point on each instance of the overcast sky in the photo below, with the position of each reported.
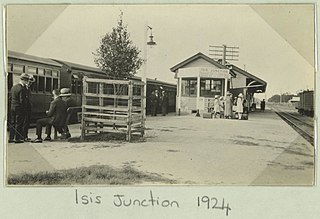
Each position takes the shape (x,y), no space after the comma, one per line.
(275,42)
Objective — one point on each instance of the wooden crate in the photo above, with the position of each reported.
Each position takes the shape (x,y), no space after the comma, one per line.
(112,106)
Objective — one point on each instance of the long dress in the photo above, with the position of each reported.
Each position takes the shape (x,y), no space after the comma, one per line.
(228,106)
(239,105)
(216,106)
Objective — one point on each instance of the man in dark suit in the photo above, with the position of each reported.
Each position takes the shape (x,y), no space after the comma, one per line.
(154,102)
(65,94)
(17,111)
(56,117)
(27,116)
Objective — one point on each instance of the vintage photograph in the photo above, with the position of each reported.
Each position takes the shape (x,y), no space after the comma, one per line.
(208,94)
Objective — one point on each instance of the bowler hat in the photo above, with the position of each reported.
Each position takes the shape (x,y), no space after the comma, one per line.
(24,77)
(65,92)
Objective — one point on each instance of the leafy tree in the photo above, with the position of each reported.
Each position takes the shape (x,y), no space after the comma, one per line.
(117,56)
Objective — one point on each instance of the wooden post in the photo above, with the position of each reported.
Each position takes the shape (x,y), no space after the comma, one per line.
(144,111)
(84,102)
(129,118)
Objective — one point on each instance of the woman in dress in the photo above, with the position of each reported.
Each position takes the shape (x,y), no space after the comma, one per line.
(239,105)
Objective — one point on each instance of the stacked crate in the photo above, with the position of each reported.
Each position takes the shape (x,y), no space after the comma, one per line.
(112,106)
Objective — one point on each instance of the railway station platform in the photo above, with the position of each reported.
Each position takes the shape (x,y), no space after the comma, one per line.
(263,150)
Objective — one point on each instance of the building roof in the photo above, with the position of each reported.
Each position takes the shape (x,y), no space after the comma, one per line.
(157,82)
(31,58)
(235,68)
(195,57)
(79,66)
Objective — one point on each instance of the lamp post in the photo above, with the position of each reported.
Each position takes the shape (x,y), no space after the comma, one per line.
(144,76)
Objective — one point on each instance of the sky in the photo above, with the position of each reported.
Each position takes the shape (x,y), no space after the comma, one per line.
(276,41)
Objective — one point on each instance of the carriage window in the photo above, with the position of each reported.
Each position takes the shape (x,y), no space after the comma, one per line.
(48,72)
(18,68)
(55,83)
(48,84)
(79,87)
(40,71)
(34,85)
(55,73)
(10,81)
(41,84)
(73,86)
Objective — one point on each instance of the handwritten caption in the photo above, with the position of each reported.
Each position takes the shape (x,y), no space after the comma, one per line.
(150,200)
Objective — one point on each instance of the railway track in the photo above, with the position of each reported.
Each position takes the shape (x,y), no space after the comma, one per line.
(305,129)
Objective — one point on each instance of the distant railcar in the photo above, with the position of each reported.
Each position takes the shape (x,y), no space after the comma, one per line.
(306,104)
(170,89)
(55,74)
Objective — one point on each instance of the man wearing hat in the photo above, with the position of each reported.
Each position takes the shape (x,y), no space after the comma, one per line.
(27,117)
(18,109)
(154,102)
(56,116)
(65,95)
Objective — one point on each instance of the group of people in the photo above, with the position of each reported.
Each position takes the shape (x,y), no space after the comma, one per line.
(20,112)
(158,99)
(223,108)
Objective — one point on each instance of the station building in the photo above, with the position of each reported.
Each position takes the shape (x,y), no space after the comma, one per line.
(200,78)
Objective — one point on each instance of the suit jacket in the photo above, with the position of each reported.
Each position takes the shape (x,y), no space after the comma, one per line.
(18,96)
(58,112)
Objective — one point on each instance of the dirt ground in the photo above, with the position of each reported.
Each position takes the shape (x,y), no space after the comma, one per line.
(263,150)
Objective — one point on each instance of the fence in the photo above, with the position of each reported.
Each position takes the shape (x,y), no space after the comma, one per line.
(112,106)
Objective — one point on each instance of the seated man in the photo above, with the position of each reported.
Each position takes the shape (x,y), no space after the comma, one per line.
(65,95)
(56,117)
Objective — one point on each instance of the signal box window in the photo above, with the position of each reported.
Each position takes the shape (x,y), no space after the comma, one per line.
(211,87)
(41,84)
(189,87)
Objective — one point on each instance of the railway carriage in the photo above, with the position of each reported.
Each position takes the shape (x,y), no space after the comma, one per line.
(45,71)
(55,74)
(306,104)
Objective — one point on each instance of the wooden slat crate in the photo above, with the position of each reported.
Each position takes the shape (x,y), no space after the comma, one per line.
(112,106)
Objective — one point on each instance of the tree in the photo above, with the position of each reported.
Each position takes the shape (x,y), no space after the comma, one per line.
(117,56)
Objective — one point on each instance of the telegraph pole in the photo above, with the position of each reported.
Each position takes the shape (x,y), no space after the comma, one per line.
(227,53)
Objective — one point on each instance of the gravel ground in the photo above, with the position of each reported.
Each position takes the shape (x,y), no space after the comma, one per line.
(263,150)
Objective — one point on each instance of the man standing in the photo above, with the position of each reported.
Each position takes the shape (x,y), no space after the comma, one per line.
(263,105)
(27,116)
(56,117)
(164,100)
(154,102)
(18,109)
(65,94)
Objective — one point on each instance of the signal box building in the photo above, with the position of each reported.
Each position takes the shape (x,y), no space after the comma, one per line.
(200,79)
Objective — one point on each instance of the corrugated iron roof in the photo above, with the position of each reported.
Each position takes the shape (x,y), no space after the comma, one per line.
(79,66)
(31,58)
